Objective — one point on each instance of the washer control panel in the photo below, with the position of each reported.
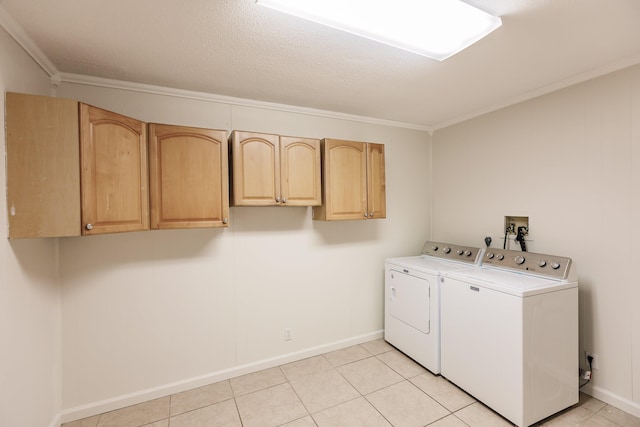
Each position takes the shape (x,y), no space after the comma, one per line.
(546,265)
(453,252)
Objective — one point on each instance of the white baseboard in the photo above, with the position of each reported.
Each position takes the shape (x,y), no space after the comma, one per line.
(95,408)
(57,421)
(612,399)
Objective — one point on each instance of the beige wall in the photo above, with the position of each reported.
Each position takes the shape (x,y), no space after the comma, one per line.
(150,312)
(570,161)
(30,361)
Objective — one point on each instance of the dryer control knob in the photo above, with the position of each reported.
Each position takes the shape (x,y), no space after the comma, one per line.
(519,260)
(446,250)
(555,265)
(490,255)
(459,251)
(542,263)
(467,253)
(435,248)
(500,257)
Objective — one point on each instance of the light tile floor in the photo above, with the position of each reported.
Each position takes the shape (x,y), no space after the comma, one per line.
(366,385)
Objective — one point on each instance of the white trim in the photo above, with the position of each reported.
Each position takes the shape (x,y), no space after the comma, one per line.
(612,399)
(56,422)
(95,408)
(15,30)
(562,84)
(244,102)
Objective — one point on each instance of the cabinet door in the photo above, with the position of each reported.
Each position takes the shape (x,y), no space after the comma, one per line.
(43,178)
(345,180)
(188,177)
(376,189)
(256,169)
(300,171)
(113,170)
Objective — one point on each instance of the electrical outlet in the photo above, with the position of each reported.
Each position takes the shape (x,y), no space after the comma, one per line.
(594,362)
(287,334)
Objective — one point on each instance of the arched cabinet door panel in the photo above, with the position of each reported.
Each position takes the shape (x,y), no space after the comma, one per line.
(300,177)
(114,172)
(188,177)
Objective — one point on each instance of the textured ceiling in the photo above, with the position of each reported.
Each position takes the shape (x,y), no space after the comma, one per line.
(237,48)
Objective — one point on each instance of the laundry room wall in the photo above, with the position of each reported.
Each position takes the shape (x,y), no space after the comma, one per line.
(150,312)
(570,161)
(30,361)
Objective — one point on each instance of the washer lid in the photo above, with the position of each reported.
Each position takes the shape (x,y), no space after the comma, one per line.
(510,282)
(428,264)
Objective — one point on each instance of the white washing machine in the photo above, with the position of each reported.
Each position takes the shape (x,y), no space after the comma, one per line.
(412,299)
(510,333)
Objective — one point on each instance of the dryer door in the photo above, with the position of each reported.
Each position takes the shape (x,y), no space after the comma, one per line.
(408,299)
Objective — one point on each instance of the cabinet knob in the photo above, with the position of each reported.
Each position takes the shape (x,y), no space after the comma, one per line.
(278,199)
(89,226)
(225,220)
(366,215)
(370,214)
(284,200)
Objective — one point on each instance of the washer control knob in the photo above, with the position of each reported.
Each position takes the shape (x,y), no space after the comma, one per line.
(490,255)
(542,263)
(519,260)
(500,257)
(467,253)
(435,248)
(555,265)
(446,250)
(459,251)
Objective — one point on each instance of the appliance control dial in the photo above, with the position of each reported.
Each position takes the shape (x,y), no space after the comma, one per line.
(460,252)
(435,248)
(468,253)
(490,255)
(519,260)
(555,265)
(446,250)
(542,263)
(500,257)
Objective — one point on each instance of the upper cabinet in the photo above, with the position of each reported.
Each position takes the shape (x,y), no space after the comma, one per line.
(114,173)
(269,170)
(354,181)
(188,174)
(73,169)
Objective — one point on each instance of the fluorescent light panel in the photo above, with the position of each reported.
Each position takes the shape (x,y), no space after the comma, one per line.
(433,28)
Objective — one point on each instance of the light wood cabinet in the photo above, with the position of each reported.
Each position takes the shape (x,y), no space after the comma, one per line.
(113,171)
(43,176)
(73,169)
(376,182)
(270,170)
(188,176)
(354,181)
(300,176)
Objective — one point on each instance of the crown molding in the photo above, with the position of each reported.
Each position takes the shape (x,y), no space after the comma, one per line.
(17,33)
(562,84)
(244,102)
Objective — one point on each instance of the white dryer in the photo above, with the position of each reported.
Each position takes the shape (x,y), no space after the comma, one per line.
(510,333)
(412,299)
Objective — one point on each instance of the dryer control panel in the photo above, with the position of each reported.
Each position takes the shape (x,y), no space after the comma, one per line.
(452,252)
(557,267)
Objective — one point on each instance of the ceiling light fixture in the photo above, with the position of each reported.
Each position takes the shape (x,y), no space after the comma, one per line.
(433,28)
